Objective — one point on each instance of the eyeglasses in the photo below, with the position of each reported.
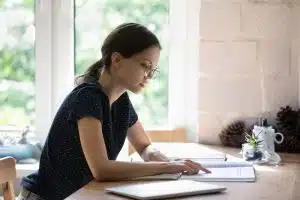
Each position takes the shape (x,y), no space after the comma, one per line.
(150,71)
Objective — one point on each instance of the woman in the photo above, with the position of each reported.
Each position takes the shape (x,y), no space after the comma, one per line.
(92,123)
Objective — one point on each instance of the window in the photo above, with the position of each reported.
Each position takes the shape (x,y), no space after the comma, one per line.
(95,19)
(41,42)
(17,63)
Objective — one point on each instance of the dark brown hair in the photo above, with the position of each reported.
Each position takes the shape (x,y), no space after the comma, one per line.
(126,39)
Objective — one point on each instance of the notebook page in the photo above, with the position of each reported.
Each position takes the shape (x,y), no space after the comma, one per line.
(189,151)
(224,174)
(225,164)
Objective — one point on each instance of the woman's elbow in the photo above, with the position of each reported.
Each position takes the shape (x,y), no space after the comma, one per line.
(102,176)
(102,173)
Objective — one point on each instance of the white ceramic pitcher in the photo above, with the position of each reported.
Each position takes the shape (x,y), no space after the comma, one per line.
(267,135)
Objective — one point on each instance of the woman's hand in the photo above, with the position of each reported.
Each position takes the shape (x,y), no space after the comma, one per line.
(152,154)
(179,165)
(157,156)
(185,166)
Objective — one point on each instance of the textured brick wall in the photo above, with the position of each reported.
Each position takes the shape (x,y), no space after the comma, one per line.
(248,60)
(296,41)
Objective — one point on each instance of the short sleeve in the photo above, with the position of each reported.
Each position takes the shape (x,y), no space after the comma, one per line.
(133,117)
(87,103)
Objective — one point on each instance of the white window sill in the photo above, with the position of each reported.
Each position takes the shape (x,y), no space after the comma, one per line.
(26,169)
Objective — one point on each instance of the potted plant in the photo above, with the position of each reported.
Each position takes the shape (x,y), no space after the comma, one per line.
(251,150)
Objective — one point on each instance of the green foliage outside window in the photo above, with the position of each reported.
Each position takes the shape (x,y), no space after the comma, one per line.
(17,67)
(93,21)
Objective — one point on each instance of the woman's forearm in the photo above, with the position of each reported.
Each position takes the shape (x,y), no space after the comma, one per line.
(119,170)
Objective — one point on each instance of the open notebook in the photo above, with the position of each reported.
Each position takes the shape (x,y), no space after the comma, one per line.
(221,171)
(190,151)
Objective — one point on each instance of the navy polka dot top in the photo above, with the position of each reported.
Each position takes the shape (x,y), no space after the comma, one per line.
(63,168)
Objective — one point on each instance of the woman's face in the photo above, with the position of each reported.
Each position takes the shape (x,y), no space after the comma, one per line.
(134,72)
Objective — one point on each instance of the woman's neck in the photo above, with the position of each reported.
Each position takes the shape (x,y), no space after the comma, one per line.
(112,89)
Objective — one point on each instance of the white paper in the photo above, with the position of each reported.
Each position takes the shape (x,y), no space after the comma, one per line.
(224,174)
(224,164)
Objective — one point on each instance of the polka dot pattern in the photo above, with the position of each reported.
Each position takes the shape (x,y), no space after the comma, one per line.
(63,168)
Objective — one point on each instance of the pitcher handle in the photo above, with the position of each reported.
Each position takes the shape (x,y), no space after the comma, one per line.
(281,140)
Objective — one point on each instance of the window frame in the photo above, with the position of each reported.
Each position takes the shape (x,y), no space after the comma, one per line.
(54,59)
(55,63)
(185,66)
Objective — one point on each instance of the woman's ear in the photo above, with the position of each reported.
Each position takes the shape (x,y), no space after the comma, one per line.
(116,59)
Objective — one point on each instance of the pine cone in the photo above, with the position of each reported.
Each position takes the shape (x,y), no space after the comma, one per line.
(249,129)
(232,140)
(233,134)
(298,123)
(287,120)
(290,144)
(234,128)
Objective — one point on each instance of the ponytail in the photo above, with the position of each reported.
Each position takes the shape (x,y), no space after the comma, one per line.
(91,74)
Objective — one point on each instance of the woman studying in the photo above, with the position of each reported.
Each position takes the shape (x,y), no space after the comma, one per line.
(92,123)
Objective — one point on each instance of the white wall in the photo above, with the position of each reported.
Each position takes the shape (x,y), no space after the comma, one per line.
(249,61)
(296,41)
